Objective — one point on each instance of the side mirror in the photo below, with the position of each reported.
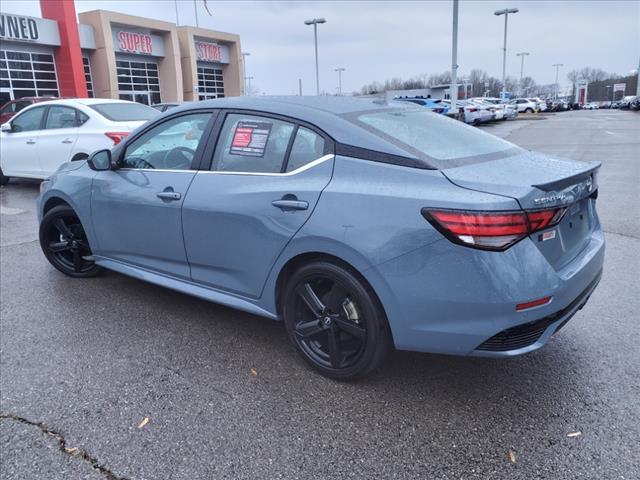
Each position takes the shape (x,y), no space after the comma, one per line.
(100,160)
(6,127)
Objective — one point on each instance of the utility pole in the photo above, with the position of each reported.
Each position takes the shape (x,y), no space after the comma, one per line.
(339,70)
(557,65)
(454,61)
(315,23)
(506,13)
(300,86)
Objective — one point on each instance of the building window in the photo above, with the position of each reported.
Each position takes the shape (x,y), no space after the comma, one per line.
(210,83)
(26,74)
(138,81)
(87,76)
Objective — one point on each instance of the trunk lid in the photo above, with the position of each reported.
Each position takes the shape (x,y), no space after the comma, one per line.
(540,182)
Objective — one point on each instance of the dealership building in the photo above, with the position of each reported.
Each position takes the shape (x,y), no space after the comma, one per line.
(111,55)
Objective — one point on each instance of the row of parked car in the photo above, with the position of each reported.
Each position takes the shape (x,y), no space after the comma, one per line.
(473,111)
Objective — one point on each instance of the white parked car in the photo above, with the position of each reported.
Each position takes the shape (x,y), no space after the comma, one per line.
(472,113)
(590,106)
(542,105)
(524,105)
(510,111)
(40,138)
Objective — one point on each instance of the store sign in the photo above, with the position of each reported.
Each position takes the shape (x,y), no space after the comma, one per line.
(19,28)
(137,42)
(208,52)
(134,42)
(211,52)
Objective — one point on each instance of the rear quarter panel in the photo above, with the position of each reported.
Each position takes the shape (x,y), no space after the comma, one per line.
(370,214)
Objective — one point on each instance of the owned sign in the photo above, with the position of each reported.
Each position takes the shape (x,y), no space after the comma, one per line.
(16,27)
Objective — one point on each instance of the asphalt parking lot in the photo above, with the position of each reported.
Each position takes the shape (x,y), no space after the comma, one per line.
(83,363)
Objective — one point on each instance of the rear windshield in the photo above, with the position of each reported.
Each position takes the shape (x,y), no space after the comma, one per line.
(123,112)
(433,137)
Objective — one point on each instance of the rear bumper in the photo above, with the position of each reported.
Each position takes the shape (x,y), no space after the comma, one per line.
(451,299)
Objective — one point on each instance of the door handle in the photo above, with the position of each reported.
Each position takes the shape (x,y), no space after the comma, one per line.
(66,140)
(30,142)
(168,195)
(290,204)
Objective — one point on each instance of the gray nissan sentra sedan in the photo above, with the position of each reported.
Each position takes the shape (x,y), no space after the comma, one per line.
(364,226)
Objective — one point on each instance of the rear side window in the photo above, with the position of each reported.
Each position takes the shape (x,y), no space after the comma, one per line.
(9,107)
(125,112)
(307,147)
(28,120)
(61,117)
(432,136)
(249,143)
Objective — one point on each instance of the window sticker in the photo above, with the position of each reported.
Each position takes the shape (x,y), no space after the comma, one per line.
(250,139)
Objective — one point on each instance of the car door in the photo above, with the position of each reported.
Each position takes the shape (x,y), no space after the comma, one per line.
(19,147)
(265,178)
(57,138)
(137,209)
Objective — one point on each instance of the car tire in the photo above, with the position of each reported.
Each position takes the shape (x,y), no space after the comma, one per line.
(3,180)
(528,110)
(64,243)
(335,320)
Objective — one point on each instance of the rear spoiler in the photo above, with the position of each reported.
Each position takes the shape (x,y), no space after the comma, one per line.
(566,181)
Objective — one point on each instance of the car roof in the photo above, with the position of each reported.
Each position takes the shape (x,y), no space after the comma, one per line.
(86,101)
(325,112)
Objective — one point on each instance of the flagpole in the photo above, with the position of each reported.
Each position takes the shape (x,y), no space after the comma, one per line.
(175,2)
(195,9)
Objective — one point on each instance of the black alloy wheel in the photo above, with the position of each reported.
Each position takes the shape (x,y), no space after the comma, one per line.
(335,321)
(64,243)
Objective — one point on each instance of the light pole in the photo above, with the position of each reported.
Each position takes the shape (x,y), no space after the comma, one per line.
(244,66)
(454,62)
(522,55)
(608,87)
(315,23)
(339,70)
(557,65)
(506,13)
(247,82)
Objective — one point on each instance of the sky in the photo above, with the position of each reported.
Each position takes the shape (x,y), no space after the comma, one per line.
(379,40)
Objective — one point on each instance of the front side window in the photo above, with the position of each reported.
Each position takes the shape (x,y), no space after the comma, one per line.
(307,147)
(61,117)
(28,120)
(168,146)
(249,143)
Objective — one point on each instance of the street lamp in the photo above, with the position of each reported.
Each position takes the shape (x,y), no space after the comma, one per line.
(522,55)
(506,13)
(244,66)
(557,65)
(339,70)
(247,82)
(315,23)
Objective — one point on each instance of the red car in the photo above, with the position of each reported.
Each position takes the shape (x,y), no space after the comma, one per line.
(12,107)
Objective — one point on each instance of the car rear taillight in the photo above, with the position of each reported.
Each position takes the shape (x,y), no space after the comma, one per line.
(473,109)
(117,137)
(490,230)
